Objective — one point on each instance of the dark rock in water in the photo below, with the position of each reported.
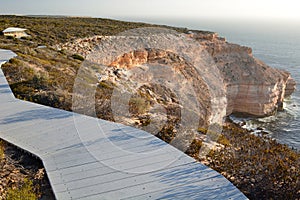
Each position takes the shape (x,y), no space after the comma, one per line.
(260,128)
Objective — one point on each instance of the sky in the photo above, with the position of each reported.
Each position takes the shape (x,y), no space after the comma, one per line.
(141,9)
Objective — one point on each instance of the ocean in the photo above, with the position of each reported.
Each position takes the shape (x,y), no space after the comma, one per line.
(275,42)
(279,47)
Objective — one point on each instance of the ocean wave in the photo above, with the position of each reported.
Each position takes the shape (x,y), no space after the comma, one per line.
(283,126)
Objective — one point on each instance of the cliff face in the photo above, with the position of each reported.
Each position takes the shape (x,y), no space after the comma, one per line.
(252,87)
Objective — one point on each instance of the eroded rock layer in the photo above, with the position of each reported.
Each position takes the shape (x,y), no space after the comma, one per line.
(253,88)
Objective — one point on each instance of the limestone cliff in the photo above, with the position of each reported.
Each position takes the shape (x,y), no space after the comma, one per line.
(252,87)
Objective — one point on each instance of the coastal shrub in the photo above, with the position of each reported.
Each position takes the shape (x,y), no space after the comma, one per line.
(24,192)
(259,166)
(62,51)
(10,37)
(194,148)
(145,121)
(138,105)
(78,57)
(106,85)
(39,82)
(15,61)
(223,140)
(167,133)
(22,89)
(202,130)
(51,31)
(26,38)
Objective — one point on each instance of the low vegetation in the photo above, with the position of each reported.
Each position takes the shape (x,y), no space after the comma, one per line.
(25,191)
(50,31)
(78,57)
(258,166)
(138,105)
(46,75)
(22,176)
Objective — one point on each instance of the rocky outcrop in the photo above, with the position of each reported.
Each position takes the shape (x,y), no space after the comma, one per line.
(290,86)
(253,88)
(81,46)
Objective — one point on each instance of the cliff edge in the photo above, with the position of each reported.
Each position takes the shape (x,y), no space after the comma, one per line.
(252,87)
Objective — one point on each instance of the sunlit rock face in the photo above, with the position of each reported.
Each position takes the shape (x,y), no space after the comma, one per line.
(175,96)
(253,88)
(178,75)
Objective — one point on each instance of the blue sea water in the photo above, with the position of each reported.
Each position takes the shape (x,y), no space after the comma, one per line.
(277,43)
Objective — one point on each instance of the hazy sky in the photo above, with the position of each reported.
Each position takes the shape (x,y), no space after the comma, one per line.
(253,9)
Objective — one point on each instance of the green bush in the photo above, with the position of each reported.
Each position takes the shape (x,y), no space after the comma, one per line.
(25,192)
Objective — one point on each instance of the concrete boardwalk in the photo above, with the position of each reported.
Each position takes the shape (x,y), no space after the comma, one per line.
(89,158)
